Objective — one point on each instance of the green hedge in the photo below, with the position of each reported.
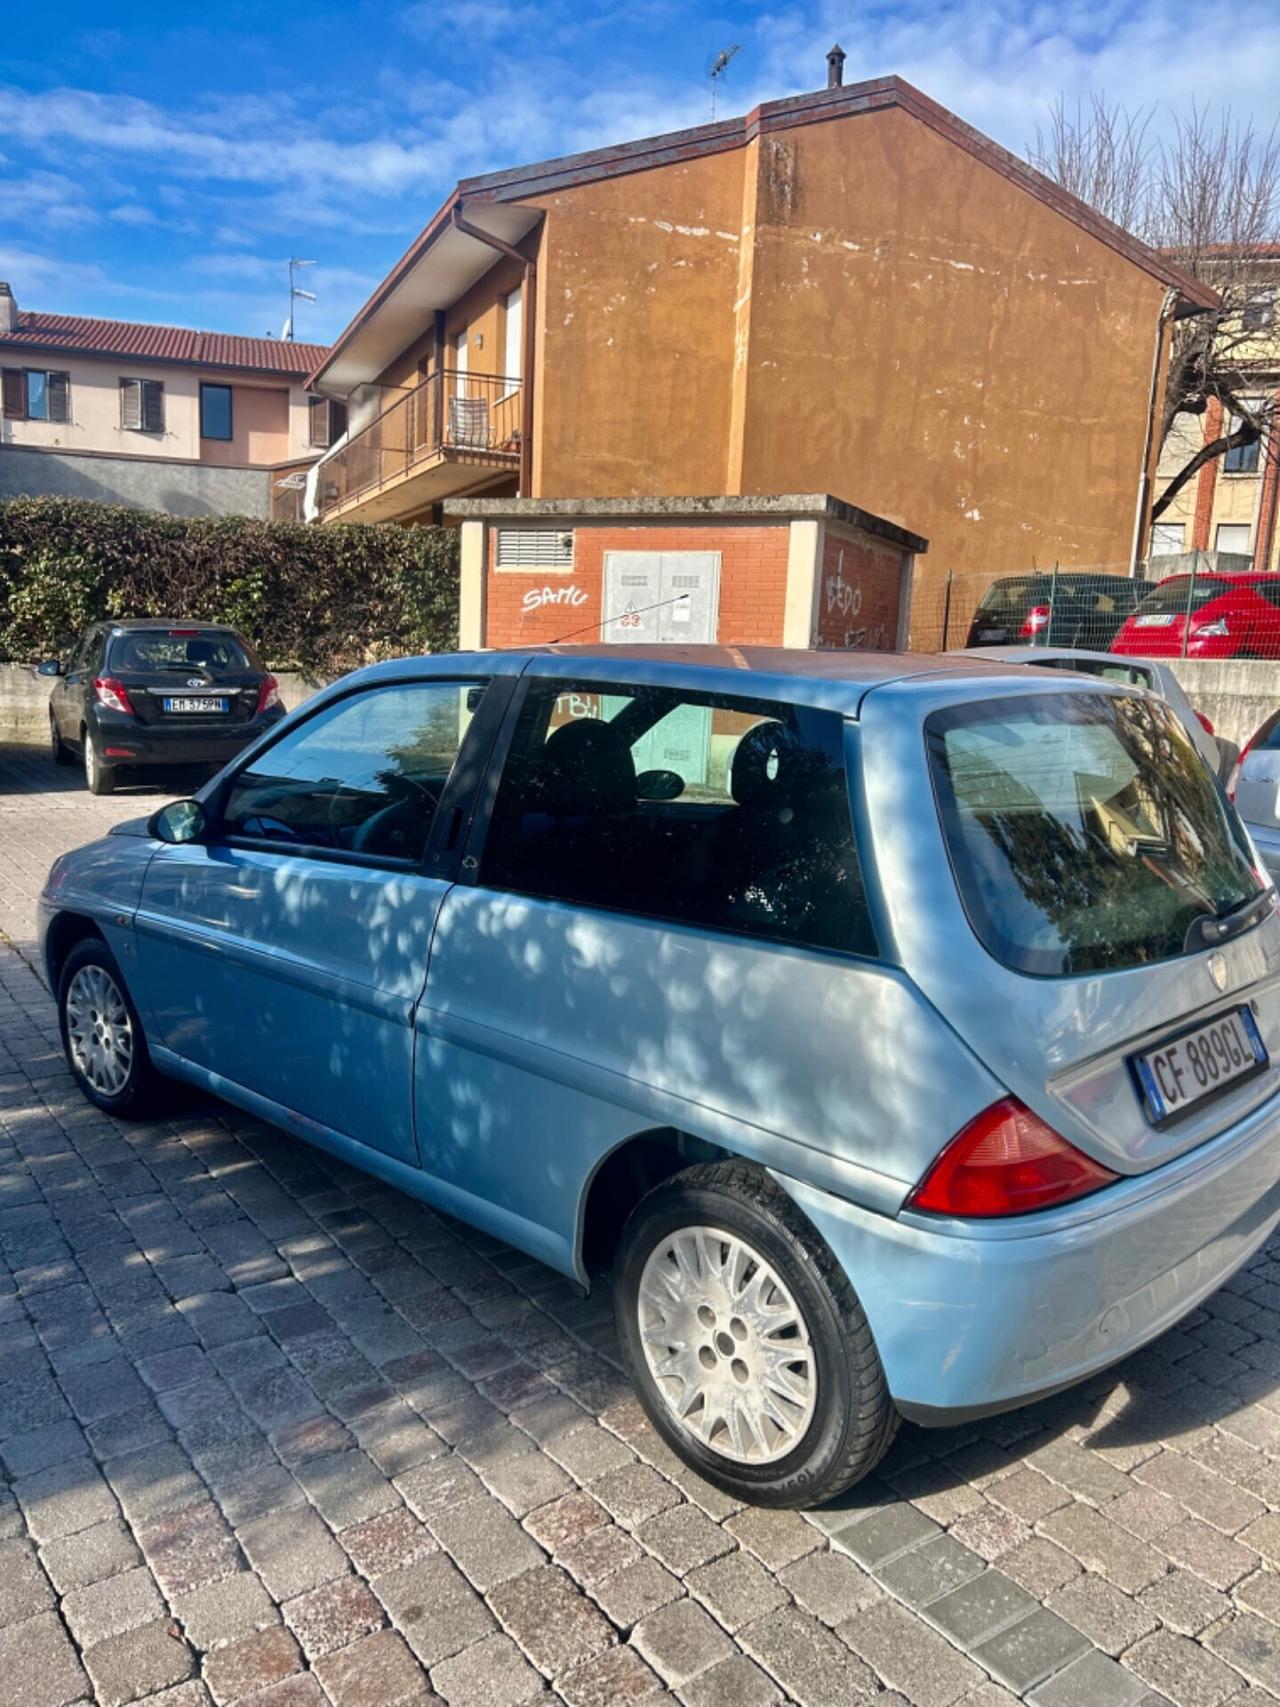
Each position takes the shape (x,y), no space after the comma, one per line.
(319,599)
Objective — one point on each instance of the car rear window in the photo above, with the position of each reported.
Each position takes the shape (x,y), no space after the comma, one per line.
(1169,598)
(1084,831)
(1011,598)
(216,651)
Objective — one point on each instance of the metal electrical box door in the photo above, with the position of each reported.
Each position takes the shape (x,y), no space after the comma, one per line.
(661,596)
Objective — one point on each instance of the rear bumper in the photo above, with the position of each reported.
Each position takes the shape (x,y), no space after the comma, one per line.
(972,1318)
(176,743)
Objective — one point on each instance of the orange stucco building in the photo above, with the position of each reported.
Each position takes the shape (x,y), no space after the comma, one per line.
(849,292)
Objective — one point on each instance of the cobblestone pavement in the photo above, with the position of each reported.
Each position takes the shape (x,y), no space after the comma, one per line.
(271,1433)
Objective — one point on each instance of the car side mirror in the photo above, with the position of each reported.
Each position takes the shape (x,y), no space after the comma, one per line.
(659,785)
(179,822)
(50,667)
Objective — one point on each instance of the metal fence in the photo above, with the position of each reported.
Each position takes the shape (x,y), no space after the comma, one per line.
(1189,605)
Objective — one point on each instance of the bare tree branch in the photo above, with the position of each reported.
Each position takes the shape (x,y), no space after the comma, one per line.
(1243,435)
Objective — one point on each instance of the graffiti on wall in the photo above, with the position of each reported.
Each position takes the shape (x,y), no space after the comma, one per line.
(857,599)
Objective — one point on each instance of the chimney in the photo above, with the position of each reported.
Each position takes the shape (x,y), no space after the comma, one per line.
(8,311)
(835,67)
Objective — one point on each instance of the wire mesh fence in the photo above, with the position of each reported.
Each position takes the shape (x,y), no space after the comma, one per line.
(1200,604)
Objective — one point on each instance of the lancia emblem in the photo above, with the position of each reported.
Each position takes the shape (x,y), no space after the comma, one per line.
(195,681)
(1218,969)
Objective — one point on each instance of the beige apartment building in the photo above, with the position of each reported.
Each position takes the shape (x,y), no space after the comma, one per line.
(158,416)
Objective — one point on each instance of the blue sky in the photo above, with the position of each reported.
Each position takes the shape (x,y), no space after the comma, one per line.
(161,162)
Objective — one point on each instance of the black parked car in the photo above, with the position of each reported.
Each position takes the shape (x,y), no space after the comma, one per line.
(1073,608)
(157,693)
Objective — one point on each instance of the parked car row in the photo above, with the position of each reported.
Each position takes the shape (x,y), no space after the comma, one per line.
(1212,614)
(696,967)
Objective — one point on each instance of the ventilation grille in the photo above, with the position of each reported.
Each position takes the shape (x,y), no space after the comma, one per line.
(535,548)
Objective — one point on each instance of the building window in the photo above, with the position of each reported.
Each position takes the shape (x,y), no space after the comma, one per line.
(142,405)
(1241,459)
(1168,538)
(215,412)
(36,394)
(1259,311)
(327,421)
(512,362)
(1233,537)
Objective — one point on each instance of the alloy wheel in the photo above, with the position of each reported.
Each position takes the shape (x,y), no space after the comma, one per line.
(99,1030)
(727,1345)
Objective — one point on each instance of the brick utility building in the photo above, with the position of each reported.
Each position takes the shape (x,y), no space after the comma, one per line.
(848,293)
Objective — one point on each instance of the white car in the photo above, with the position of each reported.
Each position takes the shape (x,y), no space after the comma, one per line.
(1136,672)
(1255,788)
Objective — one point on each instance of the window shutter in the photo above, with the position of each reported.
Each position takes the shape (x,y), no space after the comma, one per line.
(59,394)
(131,405)
(320,423)
(535,548)
(152,406)
(15,394)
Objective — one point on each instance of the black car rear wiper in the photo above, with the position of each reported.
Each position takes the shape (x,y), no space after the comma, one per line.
(1211,928)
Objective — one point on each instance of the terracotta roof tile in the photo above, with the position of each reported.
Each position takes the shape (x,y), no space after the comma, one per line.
(76,334)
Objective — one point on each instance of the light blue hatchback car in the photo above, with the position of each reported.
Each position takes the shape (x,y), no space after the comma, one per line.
(900,1032)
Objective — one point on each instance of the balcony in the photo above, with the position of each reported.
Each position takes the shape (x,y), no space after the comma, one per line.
(449,434)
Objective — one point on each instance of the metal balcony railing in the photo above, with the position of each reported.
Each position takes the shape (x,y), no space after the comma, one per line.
(468,417)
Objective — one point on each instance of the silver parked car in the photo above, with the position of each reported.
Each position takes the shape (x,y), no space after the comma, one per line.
(1135,672)
(1255,788)
(900,1032)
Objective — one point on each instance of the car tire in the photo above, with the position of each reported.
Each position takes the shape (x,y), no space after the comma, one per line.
(102,1034)
(98,778)
(58,750)
(825,1419)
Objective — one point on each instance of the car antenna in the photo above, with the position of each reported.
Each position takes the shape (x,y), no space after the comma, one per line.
(587,627)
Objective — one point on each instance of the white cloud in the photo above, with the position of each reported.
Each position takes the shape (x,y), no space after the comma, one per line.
(44,199)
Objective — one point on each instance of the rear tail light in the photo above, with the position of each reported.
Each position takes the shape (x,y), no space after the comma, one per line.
(1036,619)
(113,694)
(1006,1161)
(268,695)
(1217,630)
(1204,723)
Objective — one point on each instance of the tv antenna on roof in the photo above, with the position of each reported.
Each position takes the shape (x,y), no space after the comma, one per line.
(717,65)
(295,291)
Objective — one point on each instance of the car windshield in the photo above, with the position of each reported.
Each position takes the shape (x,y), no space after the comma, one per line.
(1013,597)
(216,653)
(1171,597)
(1084,830)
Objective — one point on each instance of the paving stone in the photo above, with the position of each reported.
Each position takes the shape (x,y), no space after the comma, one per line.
(525,1482)
(434,1607)
(1200,1491)
(1103,1546)
(347,1488)
(1040,1566)
(155,1479)
(42,1448)
(64,1499)
(38,1665)
(292,1552)
(735,1682)
(187,1547)
(254,1662)
(736,1589)
(1208,1553)
(24,1587)
(1086,1474)
(620,1678)
(103,1389)
(565,1519)
(1111,1620)
(125,1668)
(486,1541)
(1031,1650)
(1182,1670)
(597,1555)
(333,1616)
(555,1625)
(926,1573)
(103,1550)
(386,1543)
(635,1591)
(225,1611)
(492,1673)
(634,1492)
(909,1657)
(982,1607)
(439,1487)
(1252,1645)
(1263,1536)
(812,1665)
(376,1671)
(679,1641)
(777,1538)
(255,1490)
(884,1533)
(587,1452)
(683,1538)
(1091,1681)
(111,1607)
(991,1531)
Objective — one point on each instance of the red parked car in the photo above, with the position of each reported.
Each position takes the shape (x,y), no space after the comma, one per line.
(1213,615)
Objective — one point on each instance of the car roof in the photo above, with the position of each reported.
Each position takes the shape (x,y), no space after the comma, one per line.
(838,681)
(1037,654)
(162,624)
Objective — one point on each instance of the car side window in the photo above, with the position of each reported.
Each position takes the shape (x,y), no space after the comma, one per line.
(364,776)
(731,814)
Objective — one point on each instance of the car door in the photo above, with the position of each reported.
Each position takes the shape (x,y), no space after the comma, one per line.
(286,952)
(69,696)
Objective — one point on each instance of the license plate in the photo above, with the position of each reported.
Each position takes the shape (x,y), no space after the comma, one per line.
(188,702)
(1199,1063)
(989,634)
(1161,621)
